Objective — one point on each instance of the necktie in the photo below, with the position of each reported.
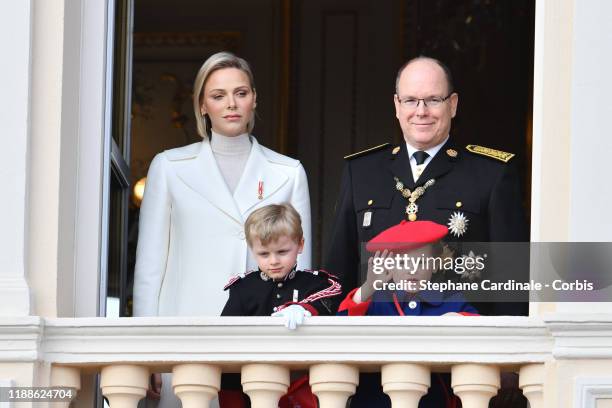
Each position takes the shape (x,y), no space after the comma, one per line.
(420,157)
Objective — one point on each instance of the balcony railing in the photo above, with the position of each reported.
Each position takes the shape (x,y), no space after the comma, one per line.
(333,349)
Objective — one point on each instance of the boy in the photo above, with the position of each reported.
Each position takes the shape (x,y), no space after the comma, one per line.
(417,239)
(274,235)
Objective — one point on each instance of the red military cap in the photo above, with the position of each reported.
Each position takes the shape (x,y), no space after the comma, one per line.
(407,235)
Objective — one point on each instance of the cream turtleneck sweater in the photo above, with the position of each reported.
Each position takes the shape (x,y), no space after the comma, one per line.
(231,154)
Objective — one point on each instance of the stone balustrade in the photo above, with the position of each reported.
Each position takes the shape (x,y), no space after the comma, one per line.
(197,384)
(333,350)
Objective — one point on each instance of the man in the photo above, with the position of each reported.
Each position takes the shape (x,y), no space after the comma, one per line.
(474,191)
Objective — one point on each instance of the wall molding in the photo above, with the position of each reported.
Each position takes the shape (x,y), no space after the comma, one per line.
(225,39)
(580,336)
(587,390)
(368,340)
(21,339)
(439,340)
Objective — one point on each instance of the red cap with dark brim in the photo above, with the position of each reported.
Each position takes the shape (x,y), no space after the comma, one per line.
(406,236)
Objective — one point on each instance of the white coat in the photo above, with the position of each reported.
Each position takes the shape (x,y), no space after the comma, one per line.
(191,230)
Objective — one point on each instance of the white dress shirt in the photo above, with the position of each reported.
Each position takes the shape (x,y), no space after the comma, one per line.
(417,170)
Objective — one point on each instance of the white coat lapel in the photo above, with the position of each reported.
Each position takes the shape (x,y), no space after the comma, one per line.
(258,169)
(203,176)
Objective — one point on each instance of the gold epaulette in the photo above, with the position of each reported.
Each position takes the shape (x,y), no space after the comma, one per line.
(370,150)
(492,153)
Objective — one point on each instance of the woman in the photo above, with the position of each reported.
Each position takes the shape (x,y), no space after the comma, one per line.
(197,197)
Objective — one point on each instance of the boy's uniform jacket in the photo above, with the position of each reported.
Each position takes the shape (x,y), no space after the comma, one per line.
(257,295)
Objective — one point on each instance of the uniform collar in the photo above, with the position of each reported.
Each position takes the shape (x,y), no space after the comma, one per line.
(432,151)
(440,164)
(287,277)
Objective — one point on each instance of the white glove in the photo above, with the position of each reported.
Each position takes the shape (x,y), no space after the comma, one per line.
(293,314)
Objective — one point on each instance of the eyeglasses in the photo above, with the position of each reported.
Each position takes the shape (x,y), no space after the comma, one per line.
(430,102)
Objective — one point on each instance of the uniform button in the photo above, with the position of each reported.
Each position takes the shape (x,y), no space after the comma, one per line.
(458,204)
(278,296)
(370,202)
(241,235)
(275,309)
(280,284)
(412,304)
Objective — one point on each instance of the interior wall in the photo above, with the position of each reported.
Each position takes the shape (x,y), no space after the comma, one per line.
(347,53)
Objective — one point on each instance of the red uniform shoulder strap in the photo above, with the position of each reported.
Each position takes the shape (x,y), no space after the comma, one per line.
(236,278)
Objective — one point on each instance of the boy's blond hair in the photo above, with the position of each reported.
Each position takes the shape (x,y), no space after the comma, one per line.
(271,222)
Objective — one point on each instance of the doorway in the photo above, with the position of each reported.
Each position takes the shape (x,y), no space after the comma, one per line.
(324,72)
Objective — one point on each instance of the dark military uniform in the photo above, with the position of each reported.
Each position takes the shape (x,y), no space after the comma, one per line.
(257,295)
(254,294)
(483,189)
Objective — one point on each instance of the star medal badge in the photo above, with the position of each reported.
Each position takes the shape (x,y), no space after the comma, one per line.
(458,223)
(472,273)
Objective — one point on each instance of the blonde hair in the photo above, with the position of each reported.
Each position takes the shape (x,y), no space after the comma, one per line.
(273,221)
(214,63)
